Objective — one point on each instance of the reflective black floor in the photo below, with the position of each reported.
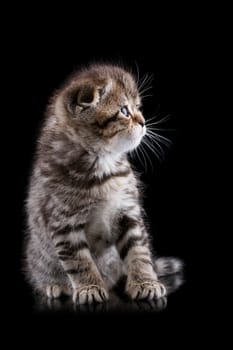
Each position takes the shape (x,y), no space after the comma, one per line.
(165,321)
(117,303)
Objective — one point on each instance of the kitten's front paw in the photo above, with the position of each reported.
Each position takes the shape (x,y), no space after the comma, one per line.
(90,294)
(145,290)
(54,291)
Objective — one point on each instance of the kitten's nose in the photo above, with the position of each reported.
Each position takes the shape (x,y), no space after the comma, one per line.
(141,122)
(139,119)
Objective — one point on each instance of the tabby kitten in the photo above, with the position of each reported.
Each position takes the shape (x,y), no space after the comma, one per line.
(85,220)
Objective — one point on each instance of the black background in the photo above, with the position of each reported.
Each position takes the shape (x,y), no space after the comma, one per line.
(173,44)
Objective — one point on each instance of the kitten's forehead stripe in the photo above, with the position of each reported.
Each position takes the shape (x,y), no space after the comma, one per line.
(100,73)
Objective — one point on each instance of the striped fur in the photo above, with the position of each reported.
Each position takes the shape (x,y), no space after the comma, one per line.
(85,222)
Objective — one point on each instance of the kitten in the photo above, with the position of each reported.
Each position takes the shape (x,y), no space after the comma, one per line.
(85,221)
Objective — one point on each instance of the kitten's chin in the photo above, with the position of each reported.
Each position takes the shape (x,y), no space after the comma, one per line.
(127,143)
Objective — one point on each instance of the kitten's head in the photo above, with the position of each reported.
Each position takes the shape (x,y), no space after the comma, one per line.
(102,105)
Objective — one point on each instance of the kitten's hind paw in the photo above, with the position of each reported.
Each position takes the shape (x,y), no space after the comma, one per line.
(146,290)
(90,294)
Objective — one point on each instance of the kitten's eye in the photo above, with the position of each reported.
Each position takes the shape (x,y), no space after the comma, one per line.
(124,110)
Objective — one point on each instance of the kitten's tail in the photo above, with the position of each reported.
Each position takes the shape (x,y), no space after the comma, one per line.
(168,266)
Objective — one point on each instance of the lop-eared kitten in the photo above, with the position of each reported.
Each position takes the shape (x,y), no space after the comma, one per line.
(85,220)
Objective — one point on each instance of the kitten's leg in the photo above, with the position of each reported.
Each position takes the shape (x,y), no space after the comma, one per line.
(133,246)
(75,257)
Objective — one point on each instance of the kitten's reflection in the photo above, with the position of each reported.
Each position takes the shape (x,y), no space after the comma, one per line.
(172,282)
(117,303)
(151,305)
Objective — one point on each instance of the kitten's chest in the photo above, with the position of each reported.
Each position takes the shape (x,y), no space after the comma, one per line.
(103,219)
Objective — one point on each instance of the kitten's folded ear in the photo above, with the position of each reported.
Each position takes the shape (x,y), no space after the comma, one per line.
(86,95)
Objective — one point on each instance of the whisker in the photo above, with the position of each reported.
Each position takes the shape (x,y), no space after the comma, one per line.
(148,157)
(159,137)
(164,140)
(159,155)
(141,92)
(132,154)
(153,118)
(144,83)
(145,96)
(159,141)
(137,70)
(138,156)
(154,141)
(140,149)
(158,129)
(156,115)
(143,80)
(163,120)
